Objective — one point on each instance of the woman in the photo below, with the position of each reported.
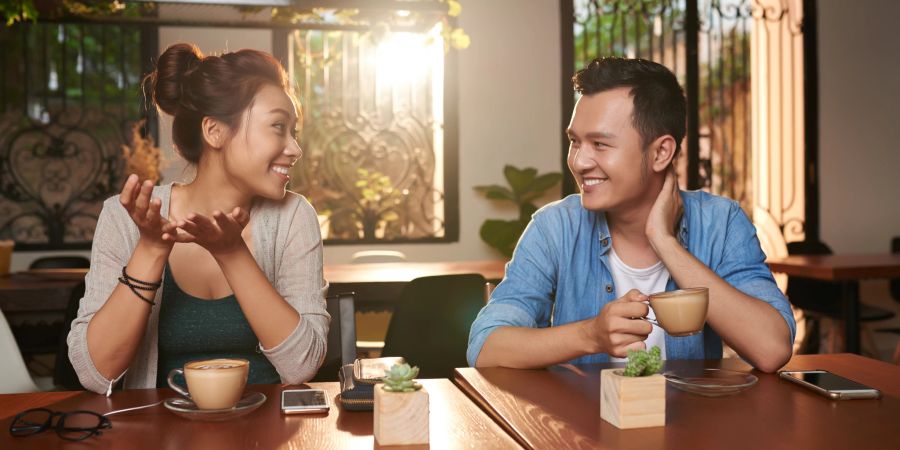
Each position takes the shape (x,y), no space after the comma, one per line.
(229,265)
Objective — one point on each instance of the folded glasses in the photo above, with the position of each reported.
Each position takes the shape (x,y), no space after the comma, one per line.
(72,426)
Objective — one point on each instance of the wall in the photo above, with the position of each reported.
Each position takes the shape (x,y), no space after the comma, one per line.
(509,112)
(859,156)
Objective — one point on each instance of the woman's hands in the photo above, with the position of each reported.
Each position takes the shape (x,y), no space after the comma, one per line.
(219,234)
(156,232)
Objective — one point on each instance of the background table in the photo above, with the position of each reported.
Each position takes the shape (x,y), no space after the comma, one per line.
(846,269)
(560,408)
(455,422)
(378,285)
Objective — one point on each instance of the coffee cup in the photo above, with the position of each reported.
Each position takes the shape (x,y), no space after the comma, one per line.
(212,383)
(682,312)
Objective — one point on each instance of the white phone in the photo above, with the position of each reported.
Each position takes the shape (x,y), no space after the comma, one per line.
(829,384)
(303,401)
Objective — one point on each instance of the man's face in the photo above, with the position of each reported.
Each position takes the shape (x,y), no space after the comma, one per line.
(605,153)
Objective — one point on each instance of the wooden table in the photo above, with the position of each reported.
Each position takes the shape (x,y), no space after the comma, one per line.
(560,408)
(38,292)
(455,422)
(848,270)
(378,285)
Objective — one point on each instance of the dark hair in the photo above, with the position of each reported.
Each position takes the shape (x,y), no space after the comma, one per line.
(189,87)
(659,104)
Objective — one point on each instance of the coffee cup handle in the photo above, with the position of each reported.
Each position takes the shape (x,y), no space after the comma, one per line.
(175,386)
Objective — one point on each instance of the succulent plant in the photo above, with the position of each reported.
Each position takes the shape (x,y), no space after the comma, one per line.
(400,378)
(642,363)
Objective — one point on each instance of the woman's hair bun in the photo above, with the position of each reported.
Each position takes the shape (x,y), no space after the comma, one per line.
(173,68)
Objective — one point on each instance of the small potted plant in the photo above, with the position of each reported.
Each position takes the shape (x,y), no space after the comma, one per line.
(634,397)
(401,408)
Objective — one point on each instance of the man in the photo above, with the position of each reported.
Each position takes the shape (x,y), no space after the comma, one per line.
(576,287)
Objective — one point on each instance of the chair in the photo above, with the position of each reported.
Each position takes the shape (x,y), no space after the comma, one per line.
(14,377)
(822,299)
(61,262)
(430,324)
(63,373)
(895,290)
(341,336)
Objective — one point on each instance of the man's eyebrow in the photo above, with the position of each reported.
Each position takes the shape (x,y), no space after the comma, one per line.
(594,134)
(600,135)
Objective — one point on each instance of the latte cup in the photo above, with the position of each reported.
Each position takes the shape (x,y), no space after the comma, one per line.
(682,312)
(212,383)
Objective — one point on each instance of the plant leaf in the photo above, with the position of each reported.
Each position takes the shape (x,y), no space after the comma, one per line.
(519,179)
(502,234)
(496,192)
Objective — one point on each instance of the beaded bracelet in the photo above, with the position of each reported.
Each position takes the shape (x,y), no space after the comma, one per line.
(134,284)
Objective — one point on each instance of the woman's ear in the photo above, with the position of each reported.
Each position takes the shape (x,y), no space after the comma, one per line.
(215,132)
(662,152)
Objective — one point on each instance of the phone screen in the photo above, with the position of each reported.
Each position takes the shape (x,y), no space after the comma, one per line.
(306,398)
(828,381)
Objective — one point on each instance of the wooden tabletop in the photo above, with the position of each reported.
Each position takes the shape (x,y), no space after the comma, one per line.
(37,292)
(378,285)
(560,408)
(838,267)
(455,422)
(404,272)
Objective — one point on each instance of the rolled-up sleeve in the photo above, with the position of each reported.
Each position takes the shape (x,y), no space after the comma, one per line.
(300,280)
(525,296)
(744,266)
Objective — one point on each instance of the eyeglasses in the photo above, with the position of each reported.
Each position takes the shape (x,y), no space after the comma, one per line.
(72,426)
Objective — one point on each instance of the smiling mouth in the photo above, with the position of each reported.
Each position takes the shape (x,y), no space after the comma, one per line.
(593,181)
(282,170)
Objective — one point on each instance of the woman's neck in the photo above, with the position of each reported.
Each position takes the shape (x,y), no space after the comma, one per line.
(210,191)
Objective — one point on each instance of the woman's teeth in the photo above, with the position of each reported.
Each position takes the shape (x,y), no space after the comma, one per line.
(281,169)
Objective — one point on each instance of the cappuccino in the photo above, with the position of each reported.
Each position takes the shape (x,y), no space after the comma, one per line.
(213,383)
(682,312)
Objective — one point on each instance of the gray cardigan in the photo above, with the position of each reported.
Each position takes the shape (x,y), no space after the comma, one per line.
(287,246)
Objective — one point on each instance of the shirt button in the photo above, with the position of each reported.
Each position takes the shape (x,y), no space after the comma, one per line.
(604,242)
(609,288)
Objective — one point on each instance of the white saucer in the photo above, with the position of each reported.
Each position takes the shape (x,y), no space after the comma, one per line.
(186,408)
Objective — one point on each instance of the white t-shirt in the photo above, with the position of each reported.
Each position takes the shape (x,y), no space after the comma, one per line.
(649,280)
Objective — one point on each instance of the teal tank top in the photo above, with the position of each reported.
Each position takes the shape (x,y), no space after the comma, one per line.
(192,328)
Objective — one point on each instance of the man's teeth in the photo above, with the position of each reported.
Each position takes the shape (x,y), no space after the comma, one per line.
(593,181)
(281,169)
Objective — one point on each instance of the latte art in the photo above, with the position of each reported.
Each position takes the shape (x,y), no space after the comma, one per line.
(215,366)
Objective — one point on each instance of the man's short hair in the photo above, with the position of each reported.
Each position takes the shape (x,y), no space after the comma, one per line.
(659,104)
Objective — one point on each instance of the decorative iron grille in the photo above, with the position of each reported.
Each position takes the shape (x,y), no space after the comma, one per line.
(659,30)
(374,134)
(70,95)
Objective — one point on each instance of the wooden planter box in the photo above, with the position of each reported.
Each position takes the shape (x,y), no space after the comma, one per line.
(632,402)
(401,418)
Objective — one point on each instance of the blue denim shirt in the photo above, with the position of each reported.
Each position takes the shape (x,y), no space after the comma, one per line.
(560,273)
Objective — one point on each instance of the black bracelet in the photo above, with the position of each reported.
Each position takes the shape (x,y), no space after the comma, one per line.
(134,284)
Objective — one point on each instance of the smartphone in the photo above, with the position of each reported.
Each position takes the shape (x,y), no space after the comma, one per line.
(829,384)
(303,401)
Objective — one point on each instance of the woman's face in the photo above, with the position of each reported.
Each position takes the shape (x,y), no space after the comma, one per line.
(262,150)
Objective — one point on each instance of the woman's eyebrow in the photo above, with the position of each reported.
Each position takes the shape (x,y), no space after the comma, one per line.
(281,111)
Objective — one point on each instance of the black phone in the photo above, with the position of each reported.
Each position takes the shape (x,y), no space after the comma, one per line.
(829,384)
(303,401)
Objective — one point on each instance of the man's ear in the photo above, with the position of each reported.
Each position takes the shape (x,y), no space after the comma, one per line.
(215,132)
(661,153)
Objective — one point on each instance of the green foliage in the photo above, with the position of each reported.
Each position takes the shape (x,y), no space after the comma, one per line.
(400,378)
(18,11)
(525,186)
(642,363)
